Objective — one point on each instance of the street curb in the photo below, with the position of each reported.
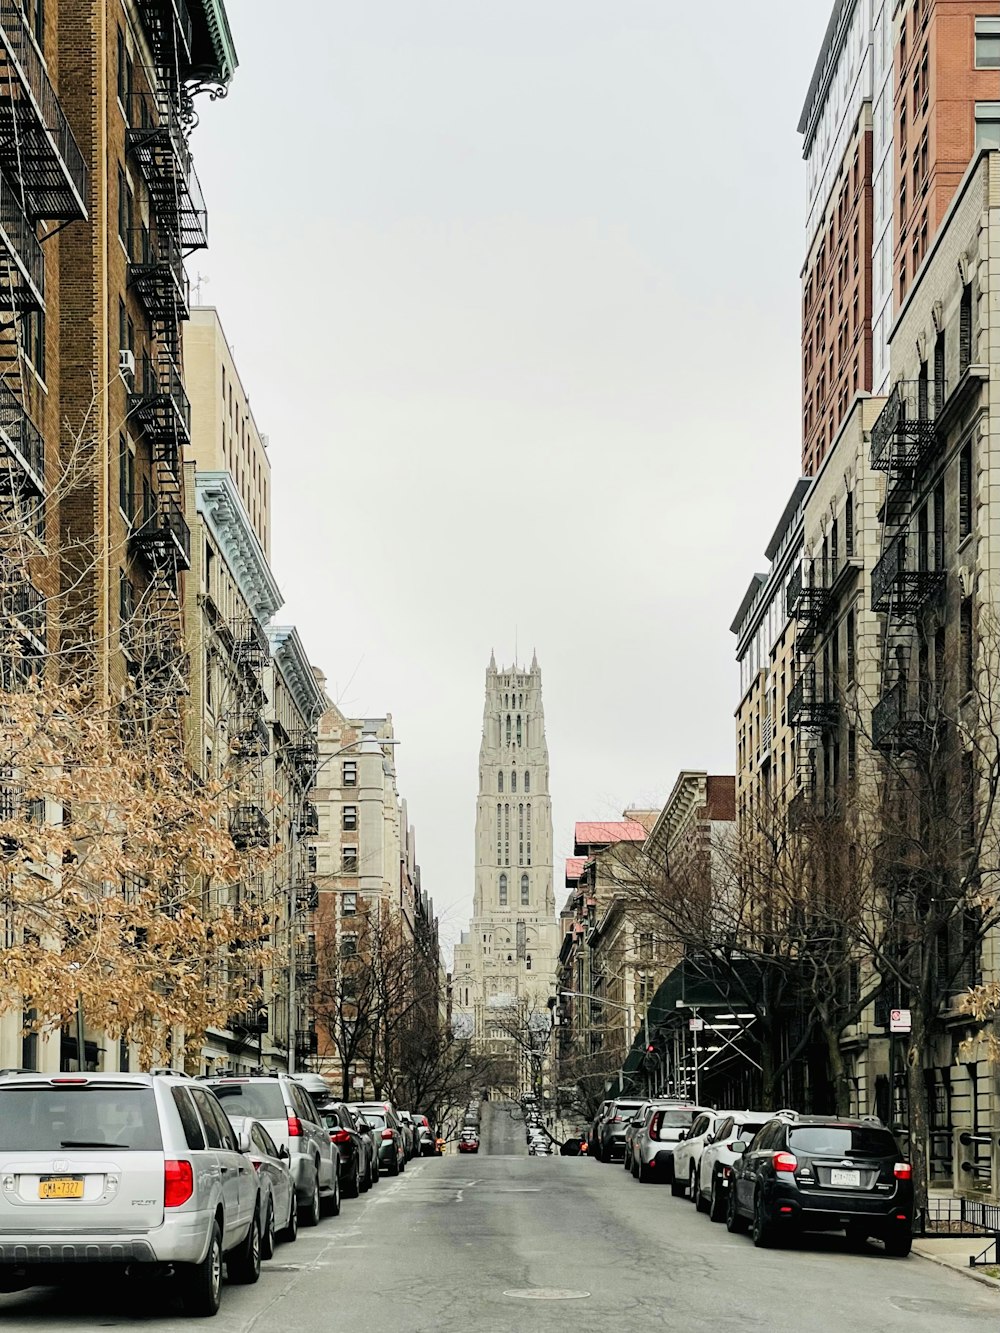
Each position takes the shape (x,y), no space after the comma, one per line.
(982,1278)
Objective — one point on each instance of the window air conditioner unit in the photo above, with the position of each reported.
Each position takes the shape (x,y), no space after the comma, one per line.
(126,362)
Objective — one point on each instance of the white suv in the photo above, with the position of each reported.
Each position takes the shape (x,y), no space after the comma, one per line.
(137,1170)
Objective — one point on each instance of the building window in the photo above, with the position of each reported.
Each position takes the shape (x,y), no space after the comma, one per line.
(126,478)
(519,728)
(965,491)
(350,904)
(939,386)
(503,890)
(126,597)
(350,818)
(508,728)
(31,328)
(987,43)
(350,773)
(312,858)
(500,782)
(525,891)
(349,946)
(852,651)
(513,781)
(987,125)
(939,525)
(499,836)
(849,525)
(527,782)
(349,863)
(852,754)
(965,331)
(967,651)
(125,210)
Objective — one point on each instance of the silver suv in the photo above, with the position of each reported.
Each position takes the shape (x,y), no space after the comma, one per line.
(655,1138)
(137,1170)
(290,1116)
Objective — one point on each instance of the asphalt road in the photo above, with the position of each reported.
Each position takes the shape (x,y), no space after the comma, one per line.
(501,1130)
(493,1244)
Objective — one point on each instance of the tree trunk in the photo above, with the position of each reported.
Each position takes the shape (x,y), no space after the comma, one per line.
(838,1071)
(917,1105)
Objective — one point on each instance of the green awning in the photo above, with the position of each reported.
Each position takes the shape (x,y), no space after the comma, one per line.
(213,52)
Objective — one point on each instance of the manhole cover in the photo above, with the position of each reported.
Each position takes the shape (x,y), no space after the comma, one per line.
(547,1294)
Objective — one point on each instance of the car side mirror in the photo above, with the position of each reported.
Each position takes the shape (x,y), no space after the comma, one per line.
(739,1147)
(283,1153)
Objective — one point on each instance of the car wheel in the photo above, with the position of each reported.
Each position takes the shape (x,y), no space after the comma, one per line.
(716,1204)
(202,1283)
(700,1202)
(331,1204)
(243,1263)
(669,1172)
(635,1169)
(268,1238)
(310,1214)
(394,1167)
(735,1223)
(291,1230)
(645,1173)
(692,1189)
(677,1187)
(366,1179)
(899,1243)
(762,1230)
(352,1187)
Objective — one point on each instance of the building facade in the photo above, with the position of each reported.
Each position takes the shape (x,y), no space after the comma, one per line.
(504,968)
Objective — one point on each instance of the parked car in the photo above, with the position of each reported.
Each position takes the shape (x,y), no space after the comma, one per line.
(136,1169)
(611,1134)
(655,1139)
(469,1141)
(371,1143)
(719,1158)
(593,1138)
(426,1145)
(409,1128)
(278,1205)
(388,1134)
(349,1140)
(817,1173)
(630,1129)
(687,1153)
(289,1115)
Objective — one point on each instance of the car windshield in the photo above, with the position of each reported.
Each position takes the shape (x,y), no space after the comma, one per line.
(836,1140)
(375,1120)
(259,1101)
(80,1118)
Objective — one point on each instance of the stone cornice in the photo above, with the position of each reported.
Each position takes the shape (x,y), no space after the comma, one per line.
(219,503)
(292,662)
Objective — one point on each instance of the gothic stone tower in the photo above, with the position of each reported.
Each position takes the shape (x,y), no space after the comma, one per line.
(505,963)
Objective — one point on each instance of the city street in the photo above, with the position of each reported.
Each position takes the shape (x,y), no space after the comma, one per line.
(495,1244)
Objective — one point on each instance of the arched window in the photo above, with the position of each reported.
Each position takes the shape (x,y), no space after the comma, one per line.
(503,890)
(508,728)
(527,965)
(513,780)
(525,891)
(519,728)
(500,782)
(527,782)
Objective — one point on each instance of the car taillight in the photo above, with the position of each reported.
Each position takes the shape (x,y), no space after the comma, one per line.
(294,1127)
(341,1136)
(618,1119)
(178,1183)
(903,1171)
(387,1133)
(654,1126)
(785,1161)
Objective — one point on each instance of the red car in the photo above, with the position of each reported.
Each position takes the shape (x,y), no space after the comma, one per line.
(469,1142)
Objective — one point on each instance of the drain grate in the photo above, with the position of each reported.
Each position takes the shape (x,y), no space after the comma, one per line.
(547,1294)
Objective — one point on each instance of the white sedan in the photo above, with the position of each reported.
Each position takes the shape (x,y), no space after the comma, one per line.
(719,1156)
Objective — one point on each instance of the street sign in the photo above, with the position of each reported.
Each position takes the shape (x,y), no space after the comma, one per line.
(358,1082)
(696,1024)
(899,1020)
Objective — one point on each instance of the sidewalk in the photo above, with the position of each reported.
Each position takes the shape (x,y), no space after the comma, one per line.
(954,1253)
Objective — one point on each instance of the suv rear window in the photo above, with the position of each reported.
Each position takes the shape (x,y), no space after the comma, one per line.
(87,1117)
(259,1101)
(375,1119)
(835,1140)
(677,1119)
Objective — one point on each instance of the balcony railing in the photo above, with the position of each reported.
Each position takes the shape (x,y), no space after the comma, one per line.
(248,827)
(155,136)
(158,404)
(37,147)
(308,820)
(156,275)
(306,1041)
(808,600)
(24,277)
(809,705)
(23,444)
(250,643)
(249,736)
(897,588)
(895,725)
(163,536)
(307,899)
(904,433)
(301,752)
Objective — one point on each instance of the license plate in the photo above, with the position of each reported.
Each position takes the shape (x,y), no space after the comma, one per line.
(845,1177)
(61,1187)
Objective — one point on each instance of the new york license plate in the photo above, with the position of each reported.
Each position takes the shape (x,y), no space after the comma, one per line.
(845,1177)
(61,1187)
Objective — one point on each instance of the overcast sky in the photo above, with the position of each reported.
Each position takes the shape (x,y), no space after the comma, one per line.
(513,285)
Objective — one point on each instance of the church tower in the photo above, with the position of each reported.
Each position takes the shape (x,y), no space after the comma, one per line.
(505,964)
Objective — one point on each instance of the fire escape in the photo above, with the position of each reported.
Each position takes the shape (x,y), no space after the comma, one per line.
(812,706)
(158,407)
(43,177)
(904,581)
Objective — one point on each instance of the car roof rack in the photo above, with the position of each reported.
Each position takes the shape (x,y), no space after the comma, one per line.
(164,1071)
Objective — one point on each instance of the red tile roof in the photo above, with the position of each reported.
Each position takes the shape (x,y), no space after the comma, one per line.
(599,833)
(574,868)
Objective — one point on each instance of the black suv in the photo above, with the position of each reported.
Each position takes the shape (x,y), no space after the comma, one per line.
(822,1173)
